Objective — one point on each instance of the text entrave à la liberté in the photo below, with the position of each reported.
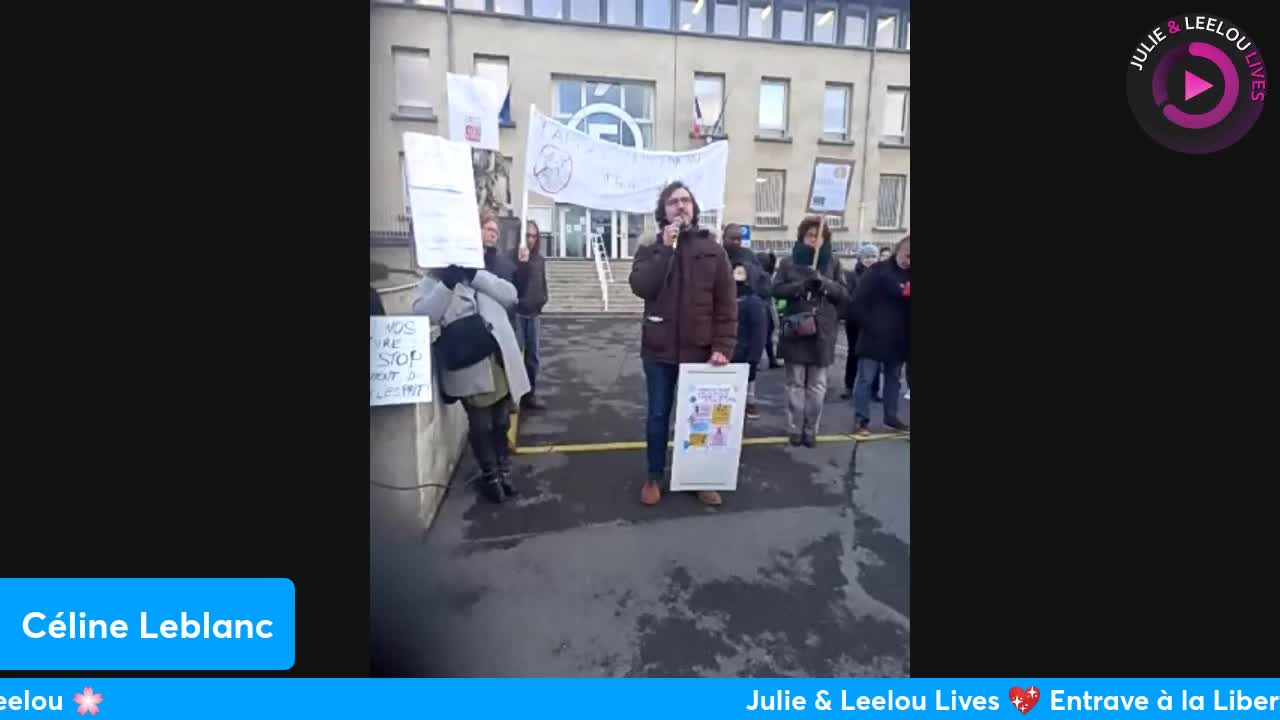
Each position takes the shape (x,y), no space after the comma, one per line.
(78,626)
(825,700)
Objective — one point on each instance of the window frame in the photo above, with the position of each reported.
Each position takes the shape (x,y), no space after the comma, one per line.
(504,116)
(771,132)
(584,80)
(844,136)
(421,112)
(707,129)
(846,11)
(881,13)
(782,200)
(885,138)
(900,201)
(815,9)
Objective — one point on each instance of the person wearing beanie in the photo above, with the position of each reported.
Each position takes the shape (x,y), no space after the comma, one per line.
(867,256)
(753,312)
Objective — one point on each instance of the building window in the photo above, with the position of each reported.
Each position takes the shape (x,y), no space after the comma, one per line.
(896,107)
(708,93)
(710,219)
(908,33)
(855,25)
(509,7)
(584,10)
(836,222)
(770,190)
(792,20)
(728,17)
(494,69)
(887,29)
(760,18)
(773,108)
(693,15)
(622,12)
(476,5)
(429,3)
(635,100)
(893,194)
(657,14)
(835,111)
(824,23)
(553,9)
(413,81)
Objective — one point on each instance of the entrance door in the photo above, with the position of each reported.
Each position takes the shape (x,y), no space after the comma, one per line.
(631,227)
(602,224)
(573,232)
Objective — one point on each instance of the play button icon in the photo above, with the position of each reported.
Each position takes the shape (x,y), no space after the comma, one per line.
(1194,85)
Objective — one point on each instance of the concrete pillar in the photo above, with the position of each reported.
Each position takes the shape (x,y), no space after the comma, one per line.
(413,450)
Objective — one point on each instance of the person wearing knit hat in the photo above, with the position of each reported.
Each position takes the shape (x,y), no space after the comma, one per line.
(868,255)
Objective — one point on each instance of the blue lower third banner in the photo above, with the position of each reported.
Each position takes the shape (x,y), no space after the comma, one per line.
(143,698)
(88,624)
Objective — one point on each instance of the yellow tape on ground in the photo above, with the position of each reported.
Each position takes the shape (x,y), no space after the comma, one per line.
(640,444)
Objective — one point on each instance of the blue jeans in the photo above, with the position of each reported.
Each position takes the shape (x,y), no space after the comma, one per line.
(660,382)
(867,371)
(527,331)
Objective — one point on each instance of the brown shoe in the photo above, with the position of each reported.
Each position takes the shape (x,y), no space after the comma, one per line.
(710,497)
(650,494)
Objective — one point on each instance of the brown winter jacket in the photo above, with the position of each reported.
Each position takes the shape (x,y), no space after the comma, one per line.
(690,301)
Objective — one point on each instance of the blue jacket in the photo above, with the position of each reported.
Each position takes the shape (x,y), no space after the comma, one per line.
(753,325)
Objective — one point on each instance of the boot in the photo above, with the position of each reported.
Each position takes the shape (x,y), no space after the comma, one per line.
(532,402)
(490,487)
(504,473)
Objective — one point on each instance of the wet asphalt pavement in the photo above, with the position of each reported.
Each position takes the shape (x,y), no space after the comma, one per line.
(803,571)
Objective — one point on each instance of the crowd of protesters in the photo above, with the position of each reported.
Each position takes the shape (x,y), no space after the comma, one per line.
(706,300)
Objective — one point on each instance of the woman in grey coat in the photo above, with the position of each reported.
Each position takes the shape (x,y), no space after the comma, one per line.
(823,292)
(491,388)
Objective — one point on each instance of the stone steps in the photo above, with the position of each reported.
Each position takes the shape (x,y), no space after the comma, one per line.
(573,288)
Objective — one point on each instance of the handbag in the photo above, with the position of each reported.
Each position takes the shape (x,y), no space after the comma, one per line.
(800,324)
(465,342)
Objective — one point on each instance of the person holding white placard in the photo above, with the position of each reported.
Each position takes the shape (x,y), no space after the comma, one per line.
(480,362)
(815,293)
(690,316)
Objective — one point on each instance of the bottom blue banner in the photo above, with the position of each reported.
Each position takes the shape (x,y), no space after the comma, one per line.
(142,698)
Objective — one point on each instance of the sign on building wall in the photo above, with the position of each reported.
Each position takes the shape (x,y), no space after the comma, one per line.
(399,360)
(710,408)
(442,202)
(573,167)
(474,106)
(829,186)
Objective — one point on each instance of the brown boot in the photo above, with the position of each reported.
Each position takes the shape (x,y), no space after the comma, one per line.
(710,497)
(650,494)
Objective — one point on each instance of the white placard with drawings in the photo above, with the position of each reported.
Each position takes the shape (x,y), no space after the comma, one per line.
(399,359)
(710,406)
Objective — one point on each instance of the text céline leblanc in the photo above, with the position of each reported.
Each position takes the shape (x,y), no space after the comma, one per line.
(76,626)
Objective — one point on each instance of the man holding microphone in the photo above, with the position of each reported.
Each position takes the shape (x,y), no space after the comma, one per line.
(690,316)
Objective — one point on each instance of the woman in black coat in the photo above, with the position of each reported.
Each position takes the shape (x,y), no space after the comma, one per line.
(819,291)
(882,304)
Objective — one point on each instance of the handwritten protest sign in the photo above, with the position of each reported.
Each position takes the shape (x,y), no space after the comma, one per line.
(710,408)
(474,105)
(399,360)
(829,187)
(573,167)
(442,202)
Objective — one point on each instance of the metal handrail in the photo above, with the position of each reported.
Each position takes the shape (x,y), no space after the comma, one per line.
(602,268)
